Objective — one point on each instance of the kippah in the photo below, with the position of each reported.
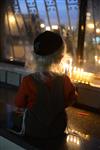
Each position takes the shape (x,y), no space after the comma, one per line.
(47,43)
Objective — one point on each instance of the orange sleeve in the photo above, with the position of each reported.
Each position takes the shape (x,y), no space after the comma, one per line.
(21,96)
(69,92)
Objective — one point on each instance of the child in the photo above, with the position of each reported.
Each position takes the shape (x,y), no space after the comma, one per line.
(46,93)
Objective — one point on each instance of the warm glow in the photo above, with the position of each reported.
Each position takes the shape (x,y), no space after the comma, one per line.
(82,27)
(42,25)
(77,133)
(77,74)
(75,141)
(88,14)
(98,30)
(48,28)
(72,139)
(96,58)
(55,27)
(96,81)
(11,19)
(68,28)
(66,64)
(90,26)
(11,58)
(72,27)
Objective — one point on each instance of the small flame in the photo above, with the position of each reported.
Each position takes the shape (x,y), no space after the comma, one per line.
(66,64)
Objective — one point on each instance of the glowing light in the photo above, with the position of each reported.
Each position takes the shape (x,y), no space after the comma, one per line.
(11,58)
(98,30)
(66,67)
(42,25)
(75,74)
(67,138)
(78,142)
(90,26)
(84,60)
(88,14)
(66,64)
(96,81)
(74,70)
(55,27)
(96,58)
(72,27)
(48,28)
(82,27)
(79,75)
(68,28)
(11,19)
(73,139)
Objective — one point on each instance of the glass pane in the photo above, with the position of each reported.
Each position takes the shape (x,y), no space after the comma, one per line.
(92,42)
(92,37)
(24,20)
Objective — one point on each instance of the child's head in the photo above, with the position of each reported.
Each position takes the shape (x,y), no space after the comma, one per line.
(48,50)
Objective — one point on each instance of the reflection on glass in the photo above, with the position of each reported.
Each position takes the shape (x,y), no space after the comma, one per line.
(23,24)
(92,38)
(72,139)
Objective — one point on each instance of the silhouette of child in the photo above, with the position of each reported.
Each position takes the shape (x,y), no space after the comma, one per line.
(46,93)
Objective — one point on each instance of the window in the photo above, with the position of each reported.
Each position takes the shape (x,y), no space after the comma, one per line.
(92,37)
(24,21)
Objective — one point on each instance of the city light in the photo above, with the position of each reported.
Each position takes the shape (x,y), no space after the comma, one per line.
(72,28)
(90,25)
(82,27)
(98,30)
(68,28)
(55,27)
(88,14)
(42,25)
(97,59)
(11,19)
(11,58)
(47,28)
